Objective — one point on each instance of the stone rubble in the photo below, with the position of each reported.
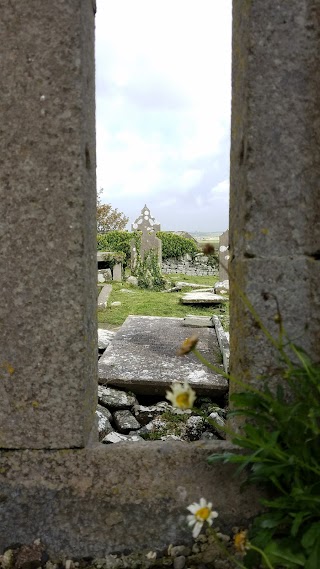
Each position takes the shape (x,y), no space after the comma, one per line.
(122,417)
(202,553)
(119,413)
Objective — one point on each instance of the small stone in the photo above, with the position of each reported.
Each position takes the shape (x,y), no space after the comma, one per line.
(50,565)
(125,421)
(119,438)
(171,438)
(208,436)
(116,303)
(132,280)
(194,428)
(223,537)
(177,550)
(145,413)
(179,562)
(104,425)
(115,398)
(219,423)
(7,559)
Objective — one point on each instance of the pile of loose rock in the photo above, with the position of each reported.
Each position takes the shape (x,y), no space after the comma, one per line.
(121,417)
(124,416)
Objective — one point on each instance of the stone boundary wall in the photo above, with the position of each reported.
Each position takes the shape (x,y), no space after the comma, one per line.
(198,267)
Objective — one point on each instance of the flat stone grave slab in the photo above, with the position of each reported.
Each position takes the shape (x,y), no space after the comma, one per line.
(202,298)
(142,357)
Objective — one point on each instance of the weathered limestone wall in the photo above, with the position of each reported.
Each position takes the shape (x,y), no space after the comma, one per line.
(198,266)
(94,500)
(275,166)
(48,202)
(127,496)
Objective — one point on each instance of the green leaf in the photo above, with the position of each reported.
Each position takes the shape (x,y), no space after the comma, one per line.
(285,553)
(311,536)
(297,521)
(313,561)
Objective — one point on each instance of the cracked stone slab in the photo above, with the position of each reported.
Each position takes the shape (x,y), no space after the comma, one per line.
(142,357)
(202,298)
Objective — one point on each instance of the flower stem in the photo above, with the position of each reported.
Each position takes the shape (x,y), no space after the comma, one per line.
(263,555)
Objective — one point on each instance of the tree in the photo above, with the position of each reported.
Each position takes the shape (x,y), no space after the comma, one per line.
(109,219)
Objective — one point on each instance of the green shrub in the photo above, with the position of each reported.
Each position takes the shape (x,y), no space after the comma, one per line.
(148,272)
(117,241)
(174,246)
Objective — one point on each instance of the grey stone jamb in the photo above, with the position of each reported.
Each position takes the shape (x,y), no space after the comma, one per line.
(48,364)
(274,183)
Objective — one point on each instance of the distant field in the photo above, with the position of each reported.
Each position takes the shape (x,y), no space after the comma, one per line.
(209,238)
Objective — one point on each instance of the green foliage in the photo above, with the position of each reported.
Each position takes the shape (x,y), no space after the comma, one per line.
(112,258)
(281,453)
(118,241)
(174,246)
(108,218)
(148,272)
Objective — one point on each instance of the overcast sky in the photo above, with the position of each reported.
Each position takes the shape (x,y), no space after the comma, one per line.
(163,72)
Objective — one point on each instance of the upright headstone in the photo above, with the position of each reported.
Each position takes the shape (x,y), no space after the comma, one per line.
(47,230)
(148,227)
(275,164)
(224,256)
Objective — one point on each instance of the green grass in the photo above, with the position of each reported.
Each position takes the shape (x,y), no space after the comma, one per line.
(149,303)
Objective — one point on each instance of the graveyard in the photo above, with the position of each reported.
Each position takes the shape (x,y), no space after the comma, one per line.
(67,500)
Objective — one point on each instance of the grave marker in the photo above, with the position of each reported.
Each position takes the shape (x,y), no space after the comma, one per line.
(149,241)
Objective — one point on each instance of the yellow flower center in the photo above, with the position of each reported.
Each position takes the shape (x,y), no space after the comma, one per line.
(202,514)
(182,400)
(240,541)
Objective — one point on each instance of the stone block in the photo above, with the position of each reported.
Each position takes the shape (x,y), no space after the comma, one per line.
(104,296)
(202,298)
(275,156)
(47,192)
(143,357)
(117,273)
(125,421)
(224,343)
(116,497)
(291,284)
(198,321)
(104,275)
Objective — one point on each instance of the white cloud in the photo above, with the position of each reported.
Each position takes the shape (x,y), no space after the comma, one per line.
(221,189)
(163,103)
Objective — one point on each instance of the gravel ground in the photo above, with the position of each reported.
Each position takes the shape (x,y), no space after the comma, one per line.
(205,553)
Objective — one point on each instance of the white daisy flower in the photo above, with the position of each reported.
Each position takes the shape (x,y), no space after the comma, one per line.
(201,512)
(181,395)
